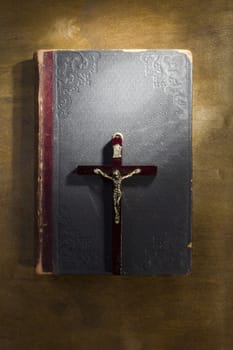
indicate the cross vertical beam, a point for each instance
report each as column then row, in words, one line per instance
column 117, row 143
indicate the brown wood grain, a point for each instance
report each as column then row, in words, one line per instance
column 126, row 313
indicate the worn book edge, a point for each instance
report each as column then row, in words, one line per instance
column 38, row 57
column 43, row 229
column 186, row 52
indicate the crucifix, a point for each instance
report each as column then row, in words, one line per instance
column 116, row 173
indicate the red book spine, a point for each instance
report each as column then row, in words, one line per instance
column 44, row 260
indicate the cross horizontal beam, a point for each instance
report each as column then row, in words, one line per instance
column 124, row 169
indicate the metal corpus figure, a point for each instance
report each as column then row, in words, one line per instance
column 117, row 179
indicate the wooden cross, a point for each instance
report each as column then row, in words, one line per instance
column 116, row 173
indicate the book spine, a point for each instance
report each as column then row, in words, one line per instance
column 44, row 106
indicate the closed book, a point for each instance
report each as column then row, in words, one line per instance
column 85, row 97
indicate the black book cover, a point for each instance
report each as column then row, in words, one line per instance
column 84, row 97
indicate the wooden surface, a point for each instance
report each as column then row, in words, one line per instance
column 159, row 313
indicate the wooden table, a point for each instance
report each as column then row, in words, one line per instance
column 126, row 313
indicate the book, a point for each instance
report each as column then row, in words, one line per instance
column 83, row 98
